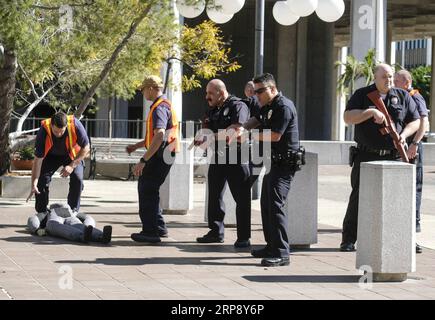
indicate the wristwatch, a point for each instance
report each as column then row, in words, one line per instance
column 142, row 160
column 414, row 143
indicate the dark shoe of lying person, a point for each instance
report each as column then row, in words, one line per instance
column 143, row 237
column 242, row 243
column 261, row 253
column 209, row 239
column 347, row 247
column 275, row 262
column 107, row 234
column 87, row 234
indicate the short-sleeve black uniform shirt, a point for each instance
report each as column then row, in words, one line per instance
column 280, row 116
column 400, row 106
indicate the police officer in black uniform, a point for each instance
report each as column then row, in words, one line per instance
column 255, row 163
column 371, row 144
column 229, row 164
column 279, row 124
column 403, row 80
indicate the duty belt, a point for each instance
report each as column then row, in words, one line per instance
column 379, row 152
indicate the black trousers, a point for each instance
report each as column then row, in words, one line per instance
column 50, row 164
column 274, row 192
column 419, row 185
column 350, row 222
column 237, row 176
column 148, row 187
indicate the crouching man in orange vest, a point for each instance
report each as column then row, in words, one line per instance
column 161, row 139
column 61, row 141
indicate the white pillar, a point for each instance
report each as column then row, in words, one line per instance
column 342, row 101
column 174, row 93
column 368, row 28
column 393, row 52
column 432, row 87
column 368, row 31
column 386, row 220
column 429, row 52
column 176, row 193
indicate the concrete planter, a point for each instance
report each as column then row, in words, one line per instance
column 18, row 164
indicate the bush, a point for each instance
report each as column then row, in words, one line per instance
column 26, row 153
column 421, row 80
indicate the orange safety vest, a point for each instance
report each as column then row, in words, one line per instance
column 173, row 136
column 413, row 92
column 71, row 141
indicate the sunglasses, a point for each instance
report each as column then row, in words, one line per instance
column 261, row 90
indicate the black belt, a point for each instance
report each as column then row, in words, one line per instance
column 379, row 152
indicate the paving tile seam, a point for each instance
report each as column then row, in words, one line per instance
column 116, row 280
column 25, row 271
column 6, row 293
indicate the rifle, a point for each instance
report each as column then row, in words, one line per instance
column 389, row 127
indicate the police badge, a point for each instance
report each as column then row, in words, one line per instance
column 226, row 111
column 269, row 115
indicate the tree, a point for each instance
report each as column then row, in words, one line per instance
column 106, row 52
column 355, row 70
column 9, row 45
column 421, row 80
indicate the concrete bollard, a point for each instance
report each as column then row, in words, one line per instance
column 386, row 220
column 176, row 193
column 302, row 204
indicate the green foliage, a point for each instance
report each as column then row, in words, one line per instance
column 204, row 50
column 421, row 80
column 26, row 153
column 74, row 58
column 354, row 70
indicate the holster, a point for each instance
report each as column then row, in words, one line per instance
column 293, row 158
column 353, row 151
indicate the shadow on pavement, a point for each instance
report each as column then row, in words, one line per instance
column 2, row 226
column 315, row 250
column 212, row 261
column 323, row 231
column 48, row 240
column 306, row 278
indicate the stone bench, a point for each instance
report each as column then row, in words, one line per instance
column 386, row 220
column 111, row 160
column 18, row 186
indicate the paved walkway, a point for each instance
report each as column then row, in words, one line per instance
column 179, row 268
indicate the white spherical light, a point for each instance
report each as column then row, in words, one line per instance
column 230, row 6
column 283, row 14
column 218, row 16
column 302, row 8
column 191, row 10
column 330, row 10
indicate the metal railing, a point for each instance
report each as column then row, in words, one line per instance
column 121, row 128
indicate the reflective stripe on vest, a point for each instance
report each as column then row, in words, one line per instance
column 413, row 92
column 71, row 141
column 173, row 135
